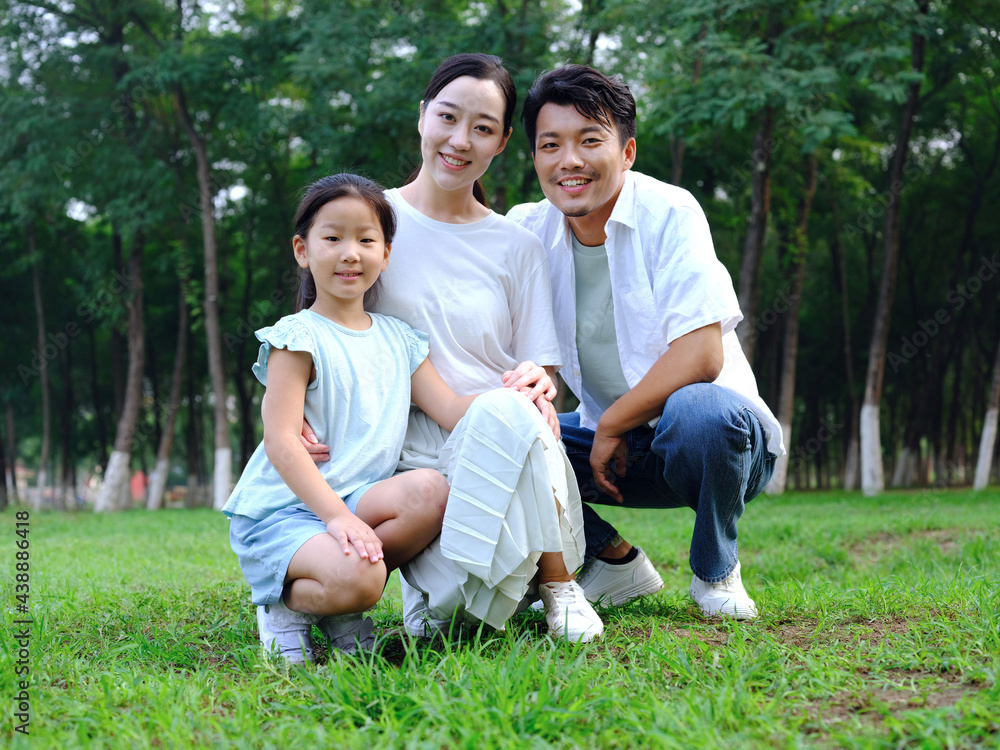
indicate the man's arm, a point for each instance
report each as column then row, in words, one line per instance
column 695, row 357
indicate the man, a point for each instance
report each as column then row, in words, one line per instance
column 669, row 412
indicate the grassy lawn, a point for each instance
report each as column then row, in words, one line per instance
column 879, row 627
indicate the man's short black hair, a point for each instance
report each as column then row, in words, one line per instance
column 594, row 95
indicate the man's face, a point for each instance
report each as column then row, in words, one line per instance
column 580, row 162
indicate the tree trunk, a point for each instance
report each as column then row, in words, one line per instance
column 5, row 489
column 797, row 248
column 116, row 479
column 872, row 477
column 753, row 248
column 11, row 478
column 988, row 438
column 158, row 481
column 67, row 489
column 117, row 381
column 223, row 453
column 95, row 394
column 678, row 144
column 852, row 458
column 43, row 367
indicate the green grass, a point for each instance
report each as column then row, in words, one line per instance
column 880, row 628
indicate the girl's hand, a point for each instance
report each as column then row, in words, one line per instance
column 530, row 379
column 349, row 530
column 317, row 451
column 549, row 414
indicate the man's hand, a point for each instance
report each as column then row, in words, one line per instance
column 317, row 451
column 349, row 530
column 609, row 451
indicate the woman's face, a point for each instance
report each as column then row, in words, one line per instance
column 461, row 130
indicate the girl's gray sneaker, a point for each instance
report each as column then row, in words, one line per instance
column 349, row 632
column 285, row 633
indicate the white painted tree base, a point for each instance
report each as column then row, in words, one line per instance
column 115, row 483
column 779, row 479
column 872, row 478
column 221, row 477
column 157, row 484
column 43, row 480
column 902, row 475
column 986, row 443
column 853, row 465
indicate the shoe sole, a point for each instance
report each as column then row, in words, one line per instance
column 628, row 594
column 737, row 615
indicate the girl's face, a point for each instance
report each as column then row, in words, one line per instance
column 461, row 130
column 345, row 250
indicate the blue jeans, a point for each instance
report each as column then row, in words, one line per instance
column 708, row 452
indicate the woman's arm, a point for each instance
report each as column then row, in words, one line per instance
column 435, row 397
column 288, row 375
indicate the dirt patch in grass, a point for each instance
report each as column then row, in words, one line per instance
column 894, row 692
column 949, row 542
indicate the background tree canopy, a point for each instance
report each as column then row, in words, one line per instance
column 151, row 155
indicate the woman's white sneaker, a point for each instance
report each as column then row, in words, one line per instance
column 568, row 612
column 285, row 633
column 726, row 598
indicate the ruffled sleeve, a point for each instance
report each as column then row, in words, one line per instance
column 288, row 333
column 416, row 346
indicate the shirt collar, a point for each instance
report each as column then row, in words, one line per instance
column 624, row 210
column 622, row 213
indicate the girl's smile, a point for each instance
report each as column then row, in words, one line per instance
column 346, row 251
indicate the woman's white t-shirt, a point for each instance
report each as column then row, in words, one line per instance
column 480, row 290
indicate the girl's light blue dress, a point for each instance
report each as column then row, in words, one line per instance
column 357, row 404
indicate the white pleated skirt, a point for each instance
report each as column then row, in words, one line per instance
column 513, row 496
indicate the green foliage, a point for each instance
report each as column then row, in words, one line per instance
column 283, row 93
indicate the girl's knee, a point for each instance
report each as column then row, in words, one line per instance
column 430, row 491
column 353, row 588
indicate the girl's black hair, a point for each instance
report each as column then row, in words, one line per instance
column 320, row 193
column 483, row 68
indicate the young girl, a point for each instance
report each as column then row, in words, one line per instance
column 316, row 543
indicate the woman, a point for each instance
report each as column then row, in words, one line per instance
column 478, row 284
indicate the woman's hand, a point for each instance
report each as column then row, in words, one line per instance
column 549, row 414
column 349, row 530
column 317, row 451
column 530, row 379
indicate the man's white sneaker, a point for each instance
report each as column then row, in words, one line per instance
column 568, row 612
column 349, row 632
column 614, row 585
column 726, row 598
column 285, row 633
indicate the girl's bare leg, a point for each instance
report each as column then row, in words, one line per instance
column 406, row 512
column 325, row 581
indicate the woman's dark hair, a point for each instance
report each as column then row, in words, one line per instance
column 318, row 195
column 596, row 96
column 482, row 68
